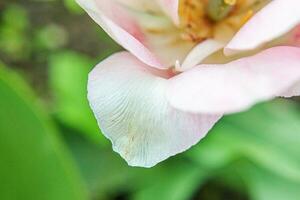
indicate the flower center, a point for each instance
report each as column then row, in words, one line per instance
column 218, row 19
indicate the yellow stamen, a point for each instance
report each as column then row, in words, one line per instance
column 195, row 24
column 230, row 2
column 204, row 19
column 247, row 16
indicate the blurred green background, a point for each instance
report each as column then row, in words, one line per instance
column 52, row 149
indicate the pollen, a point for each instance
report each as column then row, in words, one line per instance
column 195, row 23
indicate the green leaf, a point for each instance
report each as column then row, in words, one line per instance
column 14, row 41
column 268, row 135
column 73, row 7
column 16, row 16
column 68, row 80
column 34, row 163
column 50, row 37
column 177, row 180
column 263, row 185
column 105, row 173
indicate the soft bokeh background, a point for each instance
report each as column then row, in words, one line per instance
column 51, row 148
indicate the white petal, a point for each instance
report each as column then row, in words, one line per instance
column 131, row 108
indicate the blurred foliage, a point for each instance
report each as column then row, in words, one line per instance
column 68, row 73
column 51, row 147
column 13, row 32
column 73, row 7
column 34, row 162
column 50, row 37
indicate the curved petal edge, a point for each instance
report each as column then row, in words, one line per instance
column 274, row 20
column 132, row 111
column 238, row 85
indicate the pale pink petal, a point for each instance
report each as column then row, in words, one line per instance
column 163, row 38
column 171, row 8
column 274, row 20
column 238, row 85
column 292, row 38
column 141, row 5
column 131, row 108
column 114, row 19
column 199, row 53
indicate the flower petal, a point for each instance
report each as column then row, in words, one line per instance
column 199, row 53
column 141, row 5
column 292, row 38
column 129, row 103
column 292, row 91
column 171, row 9
column 274, row 20
column 121, row 27
column 163, row 38
column 238, row 85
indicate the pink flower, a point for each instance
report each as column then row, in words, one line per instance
column 164, row 96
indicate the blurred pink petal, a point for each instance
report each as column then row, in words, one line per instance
column 171, row 8
column 141, row 5
column 129, row 101
column 293, row 38
column 274, row 20
column 121, row 27
column 238, row 85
